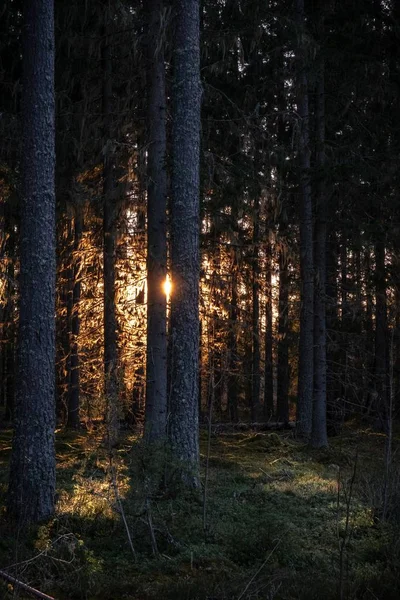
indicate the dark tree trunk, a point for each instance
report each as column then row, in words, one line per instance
column 32, row 472
column 332, row 319
column 232, row 348
column 283, row 343
column 74, row 387
column 269, row 366
column 256, row 357
column 185, row 227
column 306, row 346
column 319, row 436
column 109, row 249
column 344, row 322
column 381, row 336
column 156, row 370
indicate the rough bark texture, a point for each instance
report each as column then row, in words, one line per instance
column 109, row 250
column 74, row 388
column 306, row 349
column 32, row 472
column 319, row 436
column 156, row 371
column 185, row 224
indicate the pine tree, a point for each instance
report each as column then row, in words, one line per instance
column 185, row 230
column 32, row 472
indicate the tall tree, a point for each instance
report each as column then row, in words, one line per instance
column 256, row 353
column 32, row 473
column 319, row 436
column 306, row 346
column 156, row 369
column 109, row 239
column 74, row 368
column 185, row 227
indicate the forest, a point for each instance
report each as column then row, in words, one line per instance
column 200, row 299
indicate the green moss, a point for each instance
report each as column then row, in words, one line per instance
column 267, row 497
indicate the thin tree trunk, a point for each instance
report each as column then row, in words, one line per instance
column 156, row 369
column 306, row 345
column 32, row 472
column 283, row 343
column 74, row 378
column 269, row 366
column 185, row 229
column 319, row 435
column 233, row 350
column 109, row 248
column 256, row 355
column 381, row 350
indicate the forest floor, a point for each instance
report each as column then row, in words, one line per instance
column 282, row 522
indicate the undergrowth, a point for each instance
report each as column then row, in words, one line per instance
column 283, row 522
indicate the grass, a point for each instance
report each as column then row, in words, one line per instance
column 275, row 526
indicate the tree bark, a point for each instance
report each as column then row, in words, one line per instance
column 283, row 343
column 319, row 436
column 256, row 354
column 109, row 247
column 269, row 366
column 185, row 227
column 306, row 345
column 32, row 472
column 232, row 347
column 381, row 336
column 156, row 369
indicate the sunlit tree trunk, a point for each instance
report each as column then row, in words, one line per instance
column 319, row 436
column 74, row 378
column 109, row 245
column 156, row 369
column 185, row 228
column 32, row 471
column 306, row 346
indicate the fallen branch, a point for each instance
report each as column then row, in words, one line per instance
column 24, row 586
column 259, row 570
column 218, row 428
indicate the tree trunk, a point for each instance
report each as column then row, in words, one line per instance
column 185, row 227
column 232, row 347
column 32, row 473
column 255, row 367
column 74, row 388
column 156, row 369
column 269, row 366
column 283, row 343
column 381, row 350
column 306, row 346
column 109, row 249
column 319, row 436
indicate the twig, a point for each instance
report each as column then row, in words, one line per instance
column 154, row 546
column 25, row 587
column 259, row 570
column 121, row 508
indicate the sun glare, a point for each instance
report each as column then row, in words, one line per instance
column 167, row 286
